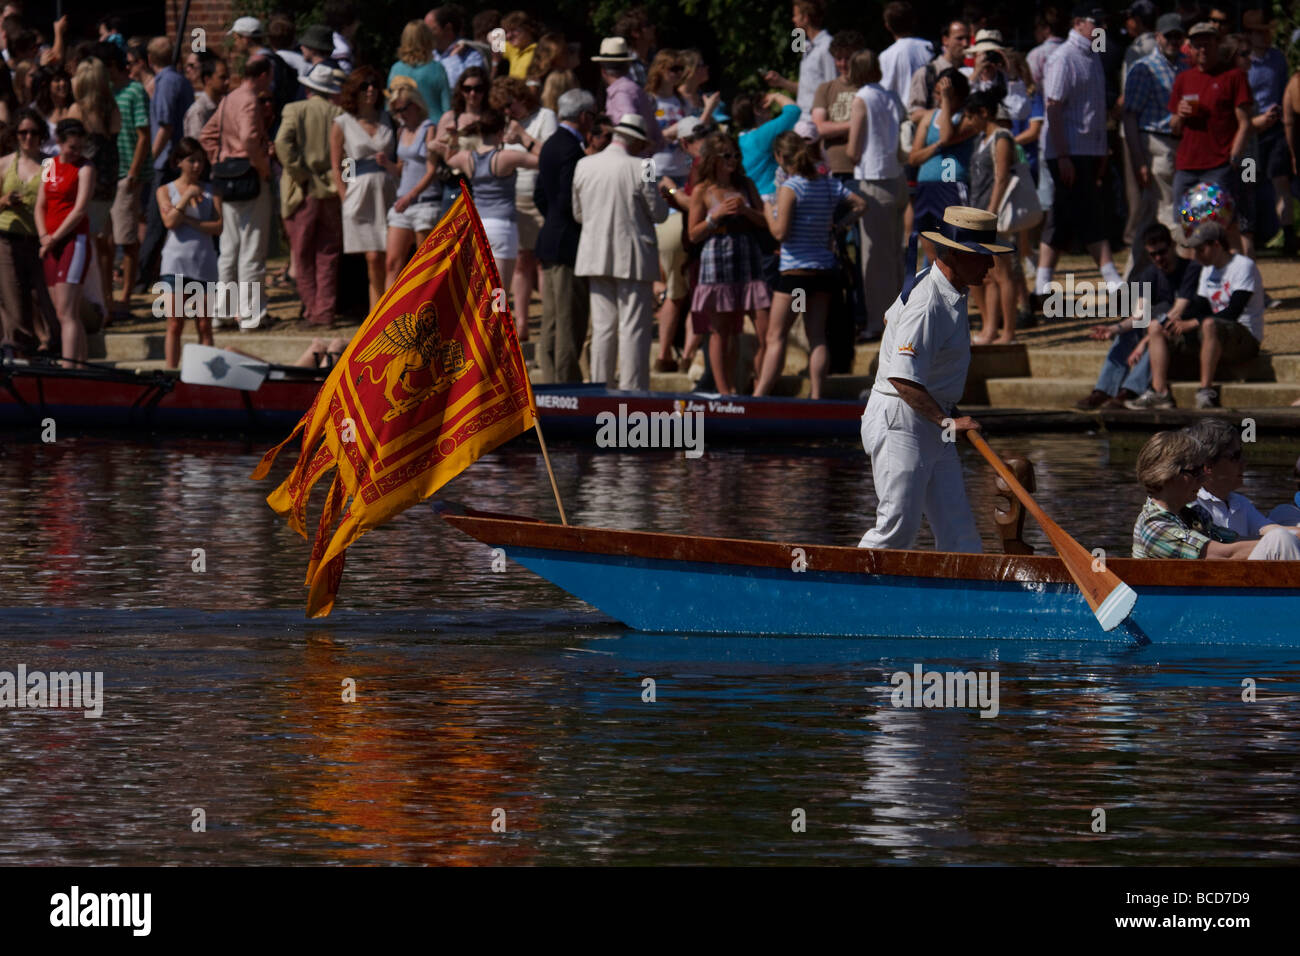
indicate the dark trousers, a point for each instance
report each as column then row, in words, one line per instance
column 155, row 233
column 21, row 277
column 565, row 313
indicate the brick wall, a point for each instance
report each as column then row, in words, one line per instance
column 215, row 16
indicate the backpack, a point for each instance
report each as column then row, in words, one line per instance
column 284, row 83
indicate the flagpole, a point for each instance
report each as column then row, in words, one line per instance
column 537, row 423
column 510, row 326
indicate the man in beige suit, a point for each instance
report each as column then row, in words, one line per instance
column 308, row 201
column 616, row 199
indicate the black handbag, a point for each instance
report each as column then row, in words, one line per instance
column 234, row 180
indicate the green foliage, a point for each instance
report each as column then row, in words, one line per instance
column 1287, row 15
column 737, row 37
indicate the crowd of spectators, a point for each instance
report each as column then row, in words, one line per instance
column 648, row 201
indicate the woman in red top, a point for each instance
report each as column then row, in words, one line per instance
column 67, row 184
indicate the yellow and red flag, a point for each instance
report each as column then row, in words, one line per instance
column 433, row 380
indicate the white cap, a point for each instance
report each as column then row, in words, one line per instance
column 247, row 26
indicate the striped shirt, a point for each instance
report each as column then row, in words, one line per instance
column 808, row 243
column 1074, row 78
column 1038, row 56
column 133, row 104
column 1146, row 92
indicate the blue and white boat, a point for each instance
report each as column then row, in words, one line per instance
column 684, row 584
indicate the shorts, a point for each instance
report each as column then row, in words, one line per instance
column 1274, row 157
column 503, row 238
column 97, row 213
column 67, row 261
column 812, row 283
column 418, row 217
column 1238, row 344
column 125, row 213
column 1076, row 211
column 528, row 220
column 672, row 257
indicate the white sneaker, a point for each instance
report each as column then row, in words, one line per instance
column 1150, row 399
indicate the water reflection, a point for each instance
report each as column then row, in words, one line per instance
column 479, row 691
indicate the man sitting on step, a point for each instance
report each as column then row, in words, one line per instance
column 1126, row 372
column 1225, row 320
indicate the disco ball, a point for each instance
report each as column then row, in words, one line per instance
column 1206, row 202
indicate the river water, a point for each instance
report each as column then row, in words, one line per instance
column 486, row 698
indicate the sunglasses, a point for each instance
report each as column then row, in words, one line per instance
column 1158, row 253
column 29, row 132
column 677, row 69
column 472, row 89
column 1190, row 472
column 727, row 156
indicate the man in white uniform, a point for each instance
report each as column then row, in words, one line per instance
column 909, row 427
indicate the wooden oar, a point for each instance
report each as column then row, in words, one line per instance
column 1110, row 598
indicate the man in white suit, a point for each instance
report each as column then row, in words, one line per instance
column 616, row 199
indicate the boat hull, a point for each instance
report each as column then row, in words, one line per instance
column 112, row 398
column 688, row 585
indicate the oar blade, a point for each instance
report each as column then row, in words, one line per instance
column 206, row 365
column 1117, row 606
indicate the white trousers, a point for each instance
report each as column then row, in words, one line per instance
column 916, row 473
column 622, row 311
column 245, row 232
column 1277, row 545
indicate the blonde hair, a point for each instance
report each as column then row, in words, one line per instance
column 664, row 61
column 416, row 47
column 1165, row 455
column 94, row 95
column 558, row 82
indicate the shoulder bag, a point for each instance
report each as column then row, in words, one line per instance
column 234, row 180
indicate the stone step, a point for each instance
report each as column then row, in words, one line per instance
column 1086, row 362
column 986, row 361
column 1064, row 392
column 137, row 348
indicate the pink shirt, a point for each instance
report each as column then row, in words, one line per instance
column 235, row 129
column 624, row 96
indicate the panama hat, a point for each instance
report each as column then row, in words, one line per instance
column 970, row 230
column 986, row 41
column 323, row 79
column 614, row 50
column 632, row 124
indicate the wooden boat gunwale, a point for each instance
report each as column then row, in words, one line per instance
column 508, row 531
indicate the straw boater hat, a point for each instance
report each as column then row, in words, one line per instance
column 970, row 230
column 614, row 50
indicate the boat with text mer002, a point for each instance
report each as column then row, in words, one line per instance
column 684, row 584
